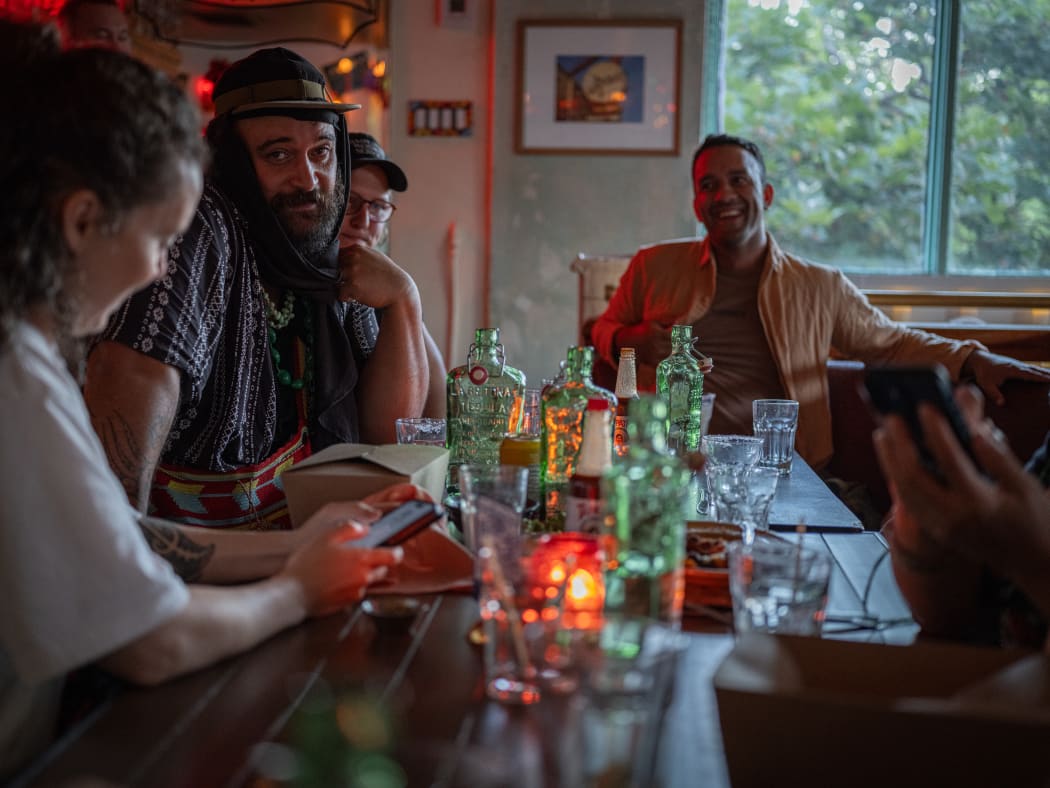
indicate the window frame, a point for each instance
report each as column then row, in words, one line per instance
column 941, row 138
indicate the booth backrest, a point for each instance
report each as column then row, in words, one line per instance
column 1024, row 418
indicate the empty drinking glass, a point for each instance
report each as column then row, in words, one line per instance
column 427, row 432
column 778, row 586
column 775, row 421
column 730, row 459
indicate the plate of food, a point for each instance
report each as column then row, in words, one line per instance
column 707, row 564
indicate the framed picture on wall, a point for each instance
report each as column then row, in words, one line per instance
column 598, row 87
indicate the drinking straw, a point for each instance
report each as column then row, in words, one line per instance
column 505, row 598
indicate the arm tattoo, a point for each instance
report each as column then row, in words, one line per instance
column 187, row 557
column 132, row 462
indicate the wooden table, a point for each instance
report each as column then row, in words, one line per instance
column 214, row 728
column 803, row 497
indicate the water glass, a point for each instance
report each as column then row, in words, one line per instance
column 511, row 675
column 707, row 410
column 775, row 421
column 627, row 683
column 761, row 488
column 742, row 496
column 540, row 599
column 492, row 499
column 778, row 587
column 426, row 432
column 730, row 459
column 740, row 450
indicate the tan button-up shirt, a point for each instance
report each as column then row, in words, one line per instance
column 807, row 310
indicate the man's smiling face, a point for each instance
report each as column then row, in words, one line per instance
column 729, row 196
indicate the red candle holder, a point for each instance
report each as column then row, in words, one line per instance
column 565, row 579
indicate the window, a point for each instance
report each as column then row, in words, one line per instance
column 901, row 137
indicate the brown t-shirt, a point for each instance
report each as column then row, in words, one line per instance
column 731, row 334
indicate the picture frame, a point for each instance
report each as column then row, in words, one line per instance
column 598, row 87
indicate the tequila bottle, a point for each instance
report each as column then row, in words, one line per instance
column 562, row 412
column 646, row 492
column 485, row 398
column 680, row 383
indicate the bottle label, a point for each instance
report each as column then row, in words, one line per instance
column 584, row 515
column 620, row 435
column 478, row 375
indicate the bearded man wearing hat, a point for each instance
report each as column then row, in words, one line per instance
column 261, row 343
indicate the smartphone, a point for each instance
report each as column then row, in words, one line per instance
column 400, row 524
column 900, row 389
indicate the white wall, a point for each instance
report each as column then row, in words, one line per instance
column 543, row 209
column 446, row 175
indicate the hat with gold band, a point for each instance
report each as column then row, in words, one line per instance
column 273, row 81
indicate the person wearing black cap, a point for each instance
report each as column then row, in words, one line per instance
column 261, row 345
column 367, row 223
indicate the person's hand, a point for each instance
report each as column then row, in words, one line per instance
column 994, row 519
column 370, row 277
column 990, row 371
column 335, row 515
column 362, row 513
column 331, row 573
column 395, row 494
column 651, row 341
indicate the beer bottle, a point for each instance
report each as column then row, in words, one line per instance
column 626, row 390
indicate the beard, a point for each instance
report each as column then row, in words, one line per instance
column 310, row 235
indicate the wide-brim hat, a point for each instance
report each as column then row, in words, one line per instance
column 365, row 149
column 273, row 81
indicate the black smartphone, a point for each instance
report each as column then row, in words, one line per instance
column 900, row 389
column 400, row 524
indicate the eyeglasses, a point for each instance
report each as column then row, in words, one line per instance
column 378, row 210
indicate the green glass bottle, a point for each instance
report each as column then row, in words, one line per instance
column 485, row 402
column 680, row 383
column 562, row 409
column 646, row 492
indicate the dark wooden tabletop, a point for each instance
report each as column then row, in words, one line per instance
column 233, row 724
column 803, row 497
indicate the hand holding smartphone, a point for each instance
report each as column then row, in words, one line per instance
column 900, row 389
column 400, row 524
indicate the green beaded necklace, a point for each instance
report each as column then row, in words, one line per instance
column 276, row 320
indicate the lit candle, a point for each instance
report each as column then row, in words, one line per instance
column 566, row 579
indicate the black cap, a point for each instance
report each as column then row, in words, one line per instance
column 273, row 81
column 365, row 149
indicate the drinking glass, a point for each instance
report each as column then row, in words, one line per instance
column 492, row 501
column 540, row 598
column 761, row 488
column 427, row 432
column 730, row 459
column 615, row 725
column 778, row 587
column 775, row 421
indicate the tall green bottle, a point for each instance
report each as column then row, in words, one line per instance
column 562, row 409
column 646, row 492
column 680, row 383
column 485, row 402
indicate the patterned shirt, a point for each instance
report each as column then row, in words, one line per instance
column 207, row 319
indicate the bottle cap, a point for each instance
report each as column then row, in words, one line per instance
column 597, row 403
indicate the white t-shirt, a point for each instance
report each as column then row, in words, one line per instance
column 77, row 578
